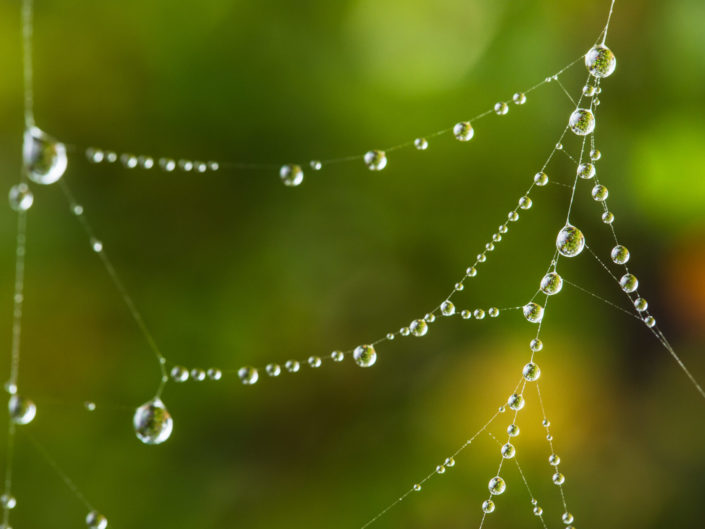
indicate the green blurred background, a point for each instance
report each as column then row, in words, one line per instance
column 232, row 268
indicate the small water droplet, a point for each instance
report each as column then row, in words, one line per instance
column 554, row 460
column 493, row 312
column 447, row 308
column 607, row 217
column 128, row 161
column 525, row 202
column 536, row 345
column 248, row 375
column 421, row 144
column 488, row 506
column 95, row 520
column 508, row 451
column 650, row 321
column 152, row 422
column 567, row 518
column 600, row 193
column 8, row 501
column 440, row 469
column 417, row 487
column 501, row 108
column 316, row 165
column 44, row 158
column 179, row 374
column 338, row 356
column 541, row 179
column 291, row 174
column 463, row 131
column 538, row 511
column 558, row 478
column 497, row 486
column 214, row 374
column 479, row 314
column 185, row 165
column 595, row 155
column 273, row 370
column 640, row 304
column 20, row 197
column 519, row 98
column 89, row 405
column 96, row 245
column 466, row 314
column 314, row 361
column 145, row 162
column 516, row 402
column 586, row 171
column 197, row 374
column 22, row 410
column 629, row 283
column 167, row 164
column 449, row 462
column 375, row 160
column 512, row 430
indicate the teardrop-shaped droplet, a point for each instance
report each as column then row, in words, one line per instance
column 22, row 410
column 44, row 158
column 570, row 241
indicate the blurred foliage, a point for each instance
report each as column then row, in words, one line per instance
column 232, row 268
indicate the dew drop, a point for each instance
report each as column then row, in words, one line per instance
column 365, row 355
column 447, row 308
column 167, row 164
column 199, row 375
column 525, row 202
column 390, row 336
column 466, row 314
column 421, row 144
column 570, row 241
column 513, row 216
column 44, row 159
column 179, row 374
column 558, row 478
column 479, row 314
column 600, row 193
column 273, row 370
column 607, row 217
column 213, row 165
column 493, row 312
column 440, row 469
column 95, row 520
column 314, row 361
column 8, row 501
column 649, row 321
column 501, row 108
column 551, row 283
column 152, row 422
column 96, row 245
column 463, row 131
column 418, row 328
column 531, row 372
column 629, row 283
column 77, row 210
column 595, row 155
column 147, row 162
column 512, row 430
column 546, row 423
column 185, row 165
column 619, row 254
column 536, row 345
column 567, row 518
column 129, row 161
column 459, row 287
column 201, row 167
column 538, row 511
column 95, row 155
column 600, row 61
column 375, row 160
column 89, row 405
column 496, row 486
column 449, row 462
column 214, row 373
column 316, row 165
column 111, row 157
column 541, row 179
column 582, row 121
column 430, row 317
column 471, row 271
column 404, row 331
column 586, row 171
column 516, row 402
column 20, row 197
column 22, row 410
column 488, row 506
column 508, row 451
column 291, row 174
column 338, row 356
column 248, row 375
column 588, row 90
column 519, row 98
column 554, row 460
column 533, row 312
column 417, row 487
column 640, row 304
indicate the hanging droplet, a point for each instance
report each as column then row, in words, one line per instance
column 430, row 317
column 640, row 304
column 567, row 518
column 554, row 460
column 316, row 165
column 213, row 166
column 152, row 422
column 421, row 144
column 201, row 167
column 44, row 159
column 551, row 283
column 375, row 160
column 95, row 520
column 447, row 308
column 214, row 374
column 147, row 162
column 582, row 121
column 629, row 283
column 20, row 197
column 512, row 430
column 338, row 356
column 497, row 485
column 586, row 171
column 536, row 345
column 525, row 202
column 418, row 328
column 546, row 423
column 96, row 245
column 463, row 131
column 128, row 160
column 459, row 286
column 508, row 451
column 541, row 179
column 314, row 361
column 570, row 241
column 607, row 217
column 404, row 331
column 365, row 355
column 619, row 254
column 248, row 375
column 516, row 402
column 501, row 108
column 22, row 410
column 291, row 174
column 558, row 478
column 600, row 61
column 531, row 372
column 273, row 370
column 519, row 98
column 600, row 193
column 487, row 506
column 533, row 312
column 179, row 374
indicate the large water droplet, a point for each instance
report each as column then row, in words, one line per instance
column 508, row 451
column 551, row 283
column 629, row 283
column 20, row 197
column 291, row 174
column 619, row 254
column 497, row 485
column 582, row 121
column 376, row 160
column 365, row 355
column 463, row 131
column 516, row 402
column 531, row 372
column 600, row 61
column 418, row 327
column 533, row 312
column 586, row 171
column 152, row 422
column 570, row 241
column 44, row 159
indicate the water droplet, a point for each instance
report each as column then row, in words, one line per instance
column 534, row 501
column 179, row 374
column 128, row 160
column 390, row 336
column 96, row 245
column 546, row 423
column 600, row 193
column 449, row 462
column 44, row 158
column 273, row 370
column 567, row 518
column 248, row 375
column 213, row 166
column 489, row 247
column 94, row 155
column 417, row 487
column 538, row 511
column 559, row 146
column 513, row 216
column 421, row 144
column 214, row 373
column 600, row 61
column 22, row 410
column 497, row 485
column 447, row 308
column 20, row 197
column 314, row 361
column 586, row 171
column 291, row 174
column 8, row 501
column 501, row 409
column 501, row 108
column 430, row 317
column 533, row 312
column 418, row 328
column 200, row 167
column 466, row 314
column 508, row 451
column 525, row 202
column 607, row 217
column 89, row 405
column 496, row 237
column 629, row 283
column 365, row 355
column 551, row 283
column 516, row 402
column 595, row 155
column 152, row 422
column 619, row 254
column 493, row 312
column 404, row 331
column 479, row 314
column 582, row 121
column 554, row 460
column 77, row 210
column 10, row 388
column 488, row 506
column 536, row 345
column 316, row 165
column 640, row 304
column 481, row 258
column 519, row 98
column 531, row 372
column 549, row 437
column 588, row 90
column 471, row 271
column 503, row 228
column 199, row 375
column 376, row 160
column 338, row 356
column 111, row 157
column 185, row 165
column 512, row 430
column 167, row 164
column 440, row 469
column 570, row 241
column 541, row 179
column 463, row 131
column 558, row 478
column 459, row 287
column 147, row 162
column 95, row 520
column 649, row 321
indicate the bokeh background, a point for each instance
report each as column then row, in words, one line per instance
column 233, row 268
